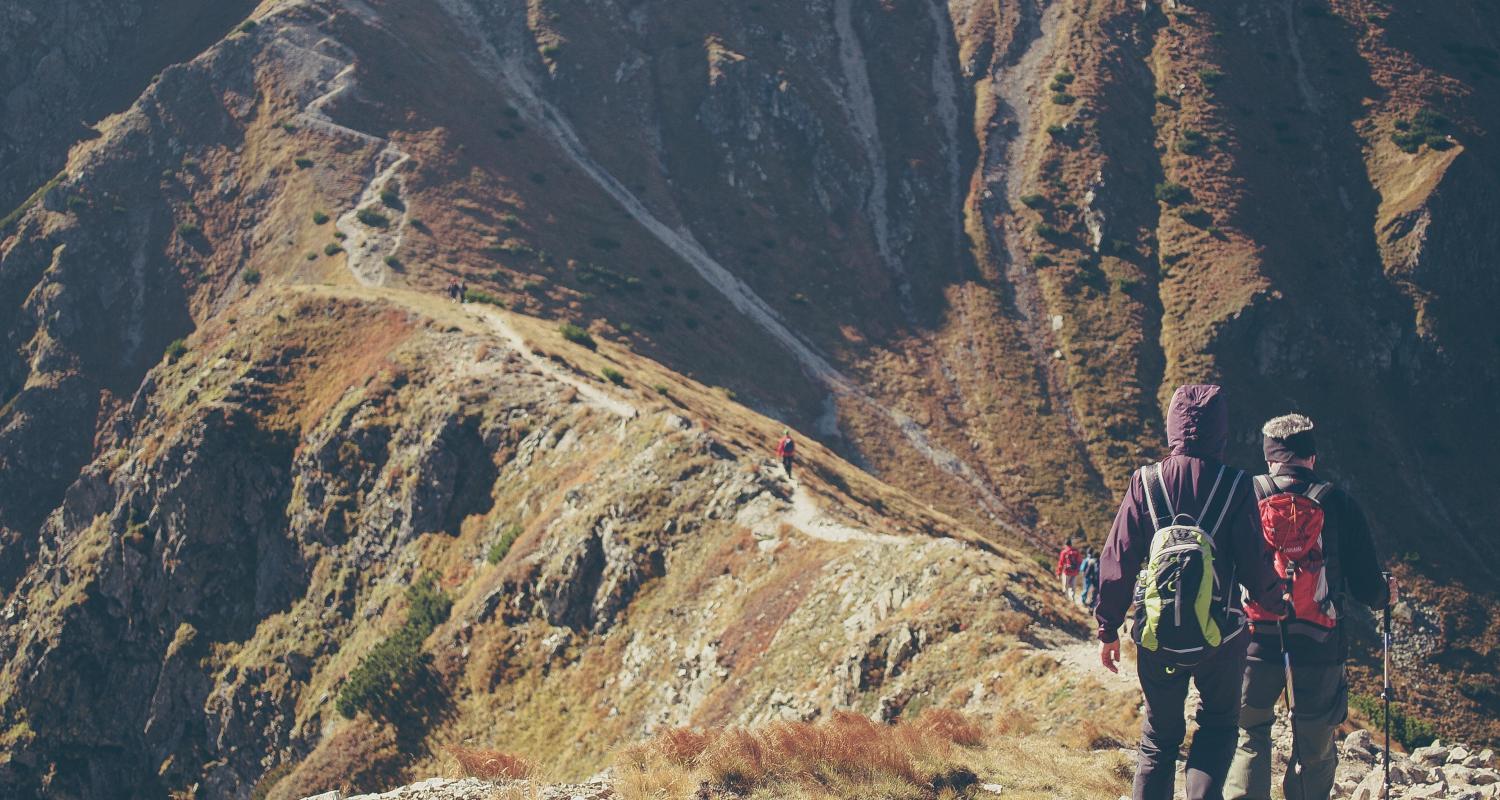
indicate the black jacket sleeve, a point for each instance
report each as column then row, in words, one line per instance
column 1253, row 564
column 1358, row 560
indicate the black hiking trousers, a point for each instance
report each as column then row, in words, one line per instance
column 786, row 464
column 1218, row 678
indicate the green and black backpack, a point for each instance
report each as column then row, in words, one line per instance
column 1181, row 610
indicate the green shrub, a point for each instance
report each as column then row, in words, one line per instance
column 247, row 26
column 613, row 376
column 303, row 162
column 1191, row 141
column 76, row 203
column 1210, row 76
column 176, row 349
column 1123, row 284
column 1063, row 98
column 188, row 229
column 340, row 235
column 1040, row 260
column 393, row 262
column 378, row 684
column 1172, row 193
column 501, row 547
column 1034, row 200
column 1063, row 77
column 1056, row 131
column 1164, row 98
column 319, row 218
column 252, row 276
column 477, row 296
column 1425, row 127
column 1409, row 731
column 332, row 249
column 312, row 255
column 1046, row 230
column 551, row 50
column 577, row 335
column 661, row 389
column 510, row 221
column 390, row 198
column 1196, row 216
column 371, row 217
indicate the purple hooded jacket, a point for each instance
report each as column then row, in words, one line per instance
column 1197, row 431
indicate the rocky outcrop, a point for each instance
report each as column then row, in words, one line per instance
column 68, row 64
column 1437, row 770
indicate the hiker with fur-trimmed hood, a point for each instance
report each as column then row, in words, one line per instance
column 1188, row 527
column 1318, row 536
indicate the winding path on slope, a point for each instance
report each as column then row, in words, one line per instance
column 366, row 246
column 510, row 73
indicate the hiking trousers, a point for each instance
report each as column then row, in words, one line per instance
column 1322, row 705
column 1218, row 678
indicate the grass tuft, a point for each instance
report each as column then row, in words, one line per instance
column 491, row 765
column 371, row 217
column 501, row 547
column 176, row 349
column 1172, row 193
column 577, row 335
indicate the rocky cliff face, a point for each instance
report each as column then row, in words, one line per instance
column 969, row 247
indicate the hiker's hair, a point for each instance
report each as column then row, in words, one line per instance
column 1286, row 425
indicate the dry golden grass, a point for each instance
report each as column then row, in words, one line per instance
column 491, row 765
column 941, row 754
column 847, row 755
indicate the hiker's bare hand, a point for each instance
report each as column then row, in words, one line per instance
column 1109, row 655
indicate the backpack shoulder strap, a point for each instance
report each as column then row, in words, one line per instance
column 1265, row 486
column 1156, row 496
column 1224, row 507
column 1317, row 492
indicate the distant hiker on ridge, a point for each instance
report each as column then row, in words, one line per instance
column 1188, row 525
column 1319, row 540
column 453, row 290
column 1088, row 572
column 1068, row 561
column 785, row 449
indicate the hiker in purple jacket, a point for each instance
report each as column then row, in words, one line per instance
column 1190, row 478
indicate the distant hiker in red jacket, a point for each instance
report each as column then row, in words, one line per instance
column 785, row 449
column 1068, row 562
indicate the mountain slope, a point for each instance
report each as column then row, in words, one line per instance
column 970, row 248
column 277, row 488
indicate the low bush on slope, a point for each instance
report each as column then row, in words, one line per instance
column 381, row 682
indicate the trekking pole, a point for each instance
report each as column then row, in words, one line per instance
column 1291, row 692
column 1385, row 689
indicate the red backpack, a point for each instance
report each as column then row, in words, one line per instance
column 1292, row 524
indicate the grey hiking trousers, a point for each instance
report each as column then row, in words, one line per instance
column 1322, row 704
column 1165, row 688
